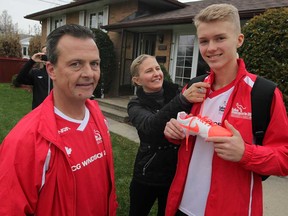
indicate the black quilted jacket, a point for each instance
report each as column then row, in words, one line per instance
column 38, row 78
column 156, row 159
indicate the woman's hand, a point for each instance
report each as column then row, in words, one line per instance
column 196, row 93
column 37, row 57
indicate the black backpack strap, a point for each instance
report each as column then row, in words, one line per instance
column 261, row 100
column 197, row 79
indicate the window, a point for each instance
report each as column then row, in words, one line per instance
column 95, row 19
column 184, row 59
column 100, row 18
column 57, row 22
column 25, row 52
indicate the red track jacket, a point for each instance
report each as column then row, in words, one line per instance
column 32, row 141
column 236, row 188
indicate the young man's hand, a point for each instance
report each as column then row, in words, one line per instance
column 173, row 130
column 229, row 148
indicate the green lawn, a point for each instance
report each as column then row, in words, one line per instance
column 15, row 103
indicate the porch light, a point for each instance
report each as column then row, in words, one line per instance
column 160, row 37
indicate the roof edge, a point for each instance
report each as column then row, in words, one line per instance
column 59, row 8
column 181, row 20
column 177, row 3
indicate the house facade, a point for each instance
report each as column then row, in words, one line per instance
column 25, row 46
column 162, row 28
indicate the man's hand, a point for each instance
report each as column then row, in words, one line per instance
column 229, row 148
column 173, row 130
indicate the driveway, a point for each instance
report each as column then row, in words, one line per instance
column 275, row 196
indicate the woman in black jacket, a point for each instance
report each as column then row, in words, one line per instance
column 156, row 103
column 36, row 77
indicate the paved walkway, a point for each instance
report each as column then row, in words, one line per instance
column 275, row 188
column 123, row 129
column 276, row 196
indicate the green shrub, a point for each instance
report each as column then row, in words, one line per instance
column 108, row 62
column 265, row 49
column 167, row 76
column 14, row 82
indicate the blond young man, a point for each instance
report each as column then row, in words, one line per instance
column 222, row 175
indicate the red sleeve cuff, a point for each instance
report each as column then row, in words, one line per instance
column 249, row 149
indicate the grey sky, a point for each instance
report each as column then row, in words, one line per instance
column 17, row 9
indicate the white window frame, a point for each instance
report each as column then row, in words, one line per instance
column 62, row 20
column 174, row 51
column 82, row 18
column 103, row 10
column 25, row 51
column 48, row 20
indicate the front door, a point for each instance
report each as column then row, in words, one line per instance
column 127, row 56
column 133, row 45
column 148, row 44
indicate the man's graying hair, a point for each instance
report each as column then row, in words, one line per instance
column 73, row 30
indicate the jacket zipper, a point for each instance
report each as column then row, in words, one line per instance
column 148, row 163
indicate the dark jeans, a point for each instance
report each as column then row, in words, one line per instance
column 142, row 198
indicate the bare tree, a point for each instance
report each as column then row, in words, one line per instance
column 9, row 38
column 6, row 24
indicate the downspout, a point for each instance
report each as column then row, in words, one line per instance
column 121, row 57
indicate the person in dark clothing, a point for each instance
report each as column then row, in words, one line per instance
column 36, row 77
column 155, row 164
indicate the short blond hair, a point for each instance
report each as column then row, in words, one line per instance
column 134, row 68
column 219, row 12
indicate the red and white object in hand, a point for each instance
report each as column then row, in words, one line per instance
column 201, row 125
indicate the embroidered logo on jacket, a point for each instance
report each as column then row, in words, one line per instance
column 98, row 137
column 63, row 130
column 89, row 161
column 239, row 112
column 68, row 150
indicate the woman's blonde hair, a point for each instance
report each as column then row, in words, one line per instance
column 134, row 68
column 219, row 12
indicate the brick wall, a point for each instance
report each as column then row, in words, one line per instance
column 163, row 49
column 118, row 12
column 44, row 31
column 72, row 18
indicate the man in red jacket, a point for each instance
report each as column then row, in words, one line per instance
column 58, row 159
column 222, row 175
